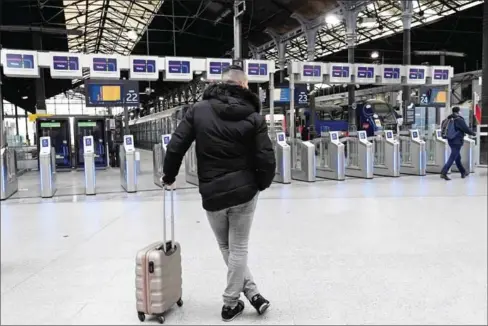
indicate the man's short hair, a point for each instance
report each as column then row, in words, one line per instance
column 234, row 74
column 455, row 109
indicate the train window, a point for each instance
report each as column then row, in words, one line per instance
column 382, row 109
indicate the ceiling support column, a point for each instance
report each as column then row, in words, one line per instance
column 311, row 29
column 407, row 14
column 39, row 82
column 350, row 17
column 239, row 9
column 281, row 47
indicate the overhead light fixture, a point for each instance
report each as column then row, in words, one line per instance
column 332, row 19
column 132, row 35
column 375, row 55
column 25, row 97
column 198, row 72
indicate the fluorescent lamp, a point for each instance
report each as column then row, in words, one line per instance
column 332, row 19
column 375, row 55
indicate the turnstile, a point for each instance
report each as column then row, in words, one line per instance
column 47, row 167
column 9, row 184
column 330, row 163
column 191, row 166
column 386, row 151
column 413, row 154
column 359, row 161
column 128, row 173
column 303, row 158
column 159, row 153
column 437, row 152
column 283, row 159
column 89, row 165
column 467, row 159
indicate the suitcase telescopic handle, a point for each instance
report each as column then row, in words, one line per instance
column 172, row 216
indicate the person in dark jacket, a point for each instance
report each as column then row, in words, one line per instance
column 235, row 160
column 456, row 144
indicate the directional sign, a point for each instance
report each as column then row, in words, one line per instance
column 258, row 70
column 65, row 65
column 104, row 66
column 441, row 75
column 365, row 74
column 20, row 63
column 416, row 75
column 339, row 73
column 144, row 68
column 391, row 74
column 311, row 72
column 215, row 68
column 178, row 69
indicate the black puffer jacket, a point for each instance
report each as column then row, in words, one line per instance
column 234, row 153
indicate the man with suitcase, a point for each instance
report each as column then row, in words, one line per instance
column 235, row 160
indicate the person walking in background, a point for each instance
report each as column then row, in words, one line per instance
column 235, row 160
column 454, row 129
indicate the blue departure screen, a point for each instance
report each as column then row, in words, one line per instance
column 415, row 134
column 45, row 143
column 334, row 136
column 281, row 137
column 128, row 141
column 361, row 135
column 166, row 140
column 389, row 134
column 88, row 142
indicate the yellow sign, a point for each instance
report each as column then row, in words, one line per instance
column 33, row 117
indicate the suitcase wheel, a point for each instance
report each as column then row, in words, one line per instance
column 161, row 319
column 179, row 302
column 141, row 316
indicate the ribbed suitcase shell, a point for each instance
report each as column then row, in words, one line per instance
column 158, row 291
column 158, row 274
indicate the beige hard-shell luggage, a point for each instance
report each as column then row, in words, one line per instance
column 158, row 273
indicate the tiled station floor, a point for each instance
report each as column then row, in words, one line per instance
column 410, row 250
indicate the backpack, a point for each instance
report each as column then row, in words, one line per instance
column 449, row 130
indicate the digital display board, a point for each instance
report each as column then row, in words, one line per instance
column 87, row 124
column 415, row 134
column 128, row 141
column 362, row 135
column 45, row 143
column 389, row 134
column 50, row 124
column 334, row 136
column 166, row 140
column 111, row 93
column 281, row 137
column 282, row 95
column 88, row 142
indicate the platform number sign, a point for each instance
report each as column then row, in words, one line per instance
column 132, row 98
column 424, row 99
column 302, row 98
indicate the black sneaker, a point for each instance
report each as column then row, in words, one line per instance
column 229, row 314
column 260, row 304
column 445, row 177
column 464, row 175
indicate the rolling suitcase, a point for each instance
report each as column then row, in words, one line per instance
column 158, row 273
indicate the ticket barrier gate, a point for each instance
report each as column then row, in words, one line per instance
column 283, row 159
column 191, row 167
column 9, row 184
column 47, row 167
column 89, row 165
column 303, row 161
column 159, row 153
column 437, row 152
column 128, row 173
column 386, row 151
column 412, row 153
column 331, row 161
column 359, row 161
column 467, row 155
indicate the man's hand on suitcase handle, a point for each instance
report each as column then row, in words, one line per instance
column 166, row 184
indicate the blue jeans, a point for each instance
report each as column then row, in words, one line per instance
column 454, row 157
column 231, row 227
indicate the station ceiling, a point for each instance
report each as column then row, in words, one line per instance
column 203, row 28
